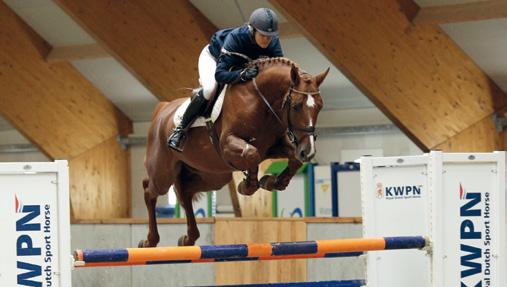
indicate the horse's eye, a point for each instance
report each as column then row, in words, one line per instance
column 298, row 107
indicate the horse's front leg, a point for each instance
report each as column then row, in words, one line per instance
column 284, row 149
column 280, row 182
column 244, row 156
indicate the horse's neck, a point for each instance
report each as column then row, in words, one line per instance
column 274, row 83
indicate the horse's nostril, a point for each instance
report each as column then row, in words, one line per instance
column 302, row 154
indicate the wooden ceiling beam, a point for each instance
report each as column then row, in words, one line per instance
column 415, row 74
column 475, row 11
column 95, row 51
column 159, row 42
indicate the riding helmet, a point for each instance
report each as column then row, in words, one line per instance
column 265, row 21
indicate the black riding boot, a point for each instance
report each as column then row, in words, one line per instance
column 197, row 105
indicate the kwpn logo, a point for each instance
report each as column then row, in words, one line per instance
column 405, row 190
column 461, row 192
column 379, row 191
column 18, row 205
column 398, row 191
column 470, row 238
column 27, row 228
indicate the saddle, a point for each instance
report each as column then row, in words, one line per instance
column 208, row 117
column 211, row 112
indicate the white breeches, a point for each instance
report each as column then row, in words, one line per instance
column 207, row 66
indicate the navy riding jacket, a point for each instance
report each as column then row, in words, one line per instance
column 236, row 46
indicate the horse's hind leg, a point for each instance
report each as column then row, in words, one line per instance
column 185, row 197
column 150, row 199
column 187, row 186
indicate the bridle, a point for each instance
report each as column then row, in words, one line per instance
column 309, row 131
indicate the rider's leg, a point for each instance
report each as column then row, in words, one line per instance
column 207, row 67
column 197, row 105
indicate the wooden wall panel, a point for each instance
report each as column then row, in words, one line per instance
column 256, row 205
column 415, row 74
column 480, row 137
column 100, row 182
column 259, row 231
column 66, row 117
column 260, row 203
column 158, row 41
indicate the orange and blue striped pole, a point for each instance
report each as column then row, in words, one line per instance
column 243, row 252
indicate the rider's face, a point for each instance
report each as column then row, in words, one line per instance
column 262, row 41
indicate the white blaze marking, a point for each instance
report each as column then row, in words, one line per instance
column 312, row 139
column 310, row 101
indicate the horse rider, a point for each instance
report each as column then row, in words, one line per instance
column 229, row 49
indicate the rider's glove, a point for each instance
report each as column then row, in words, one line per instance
column 248, row 73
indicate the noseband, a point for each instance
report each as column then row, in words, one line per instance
column 310, row 131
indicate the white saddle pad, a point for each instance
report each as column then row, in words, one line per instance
column 201, row 121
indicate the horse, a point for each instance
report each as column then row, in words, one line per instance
column 272, row 116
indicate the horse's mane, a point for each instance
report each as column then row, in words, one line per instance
column 264, row 63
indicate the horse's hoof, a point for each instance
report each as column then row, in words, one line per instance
column 268, row 182
column 182, row 240
column 141, row 244
column 246, row 190
column 280, row 185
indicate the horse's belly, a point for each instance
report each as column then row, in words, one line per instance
column 200, row 154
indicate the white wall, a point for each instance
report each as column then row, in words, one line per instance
column 23, row 157
column 138, row 173
column 13, row 137
column 392, row 144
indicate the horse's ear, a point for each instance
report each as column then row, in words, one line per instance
column 320, row 77
column 294, row 75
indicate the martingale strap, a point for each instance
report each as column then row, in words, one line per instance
column 266, row 102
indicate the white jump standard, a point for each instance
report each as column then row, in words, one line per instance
column 453, row 203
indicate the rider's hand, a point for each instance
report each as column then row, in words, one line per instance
column 248, row 73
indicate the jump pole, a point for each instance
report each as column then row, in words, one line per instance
column 243, row 252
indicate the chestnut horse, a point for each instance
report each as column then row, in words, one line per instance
column 272, row 116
